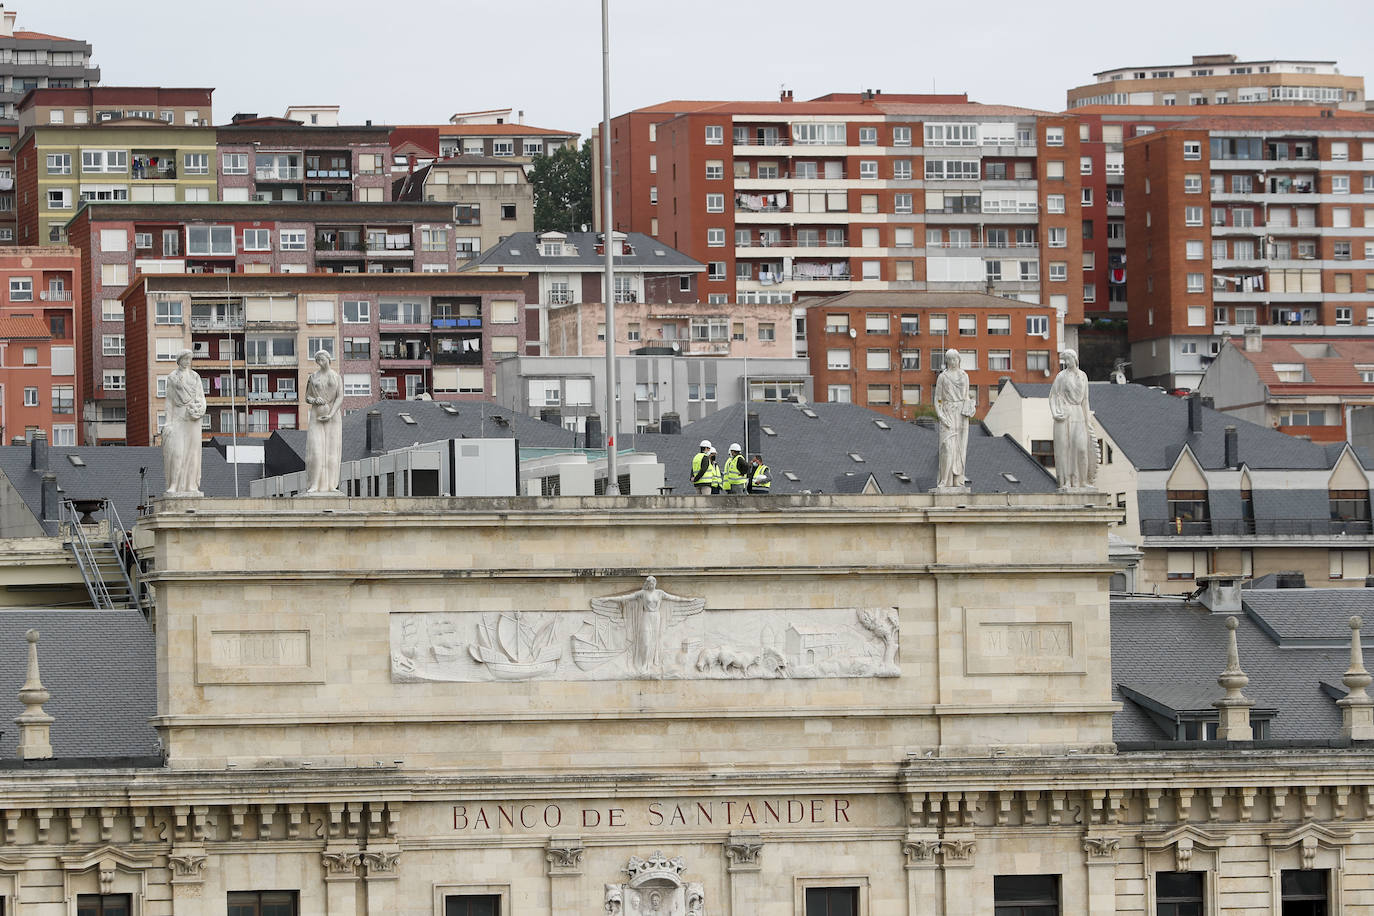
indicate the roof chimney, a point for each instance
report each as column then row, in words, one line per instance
column 1357, row 709
column 374, row 432
column 35, row 725
column 7, row 30
column 38, row 451
column 753, row 430
column 1194, row 413
column 48, row 500
column 1232, row 447
column 1220, row 594
column 1234, row 708
column 1254, row 339
column 593, row 428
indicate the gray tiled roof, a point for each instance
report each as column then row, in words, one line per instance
column 1151, row 427
column 1173, row 650
column 109, row 471
column 1323, row 614
column 644, row 253
column 818, row 451
column 99, row 667
column 473, row 420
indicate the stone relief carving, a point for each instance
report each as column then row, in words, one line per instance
column 655, row 888
column 381, row 862
column 743, row 850
column 647, row 633
column 565, row 856
column 920, row 850
column 1101, row 847
column 341, row 863
column 961, row 850
column 190, row 865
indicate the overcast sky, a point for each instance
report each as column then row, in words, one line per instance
column 418, row 61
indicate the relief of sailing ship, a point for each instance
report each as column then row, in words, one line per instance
column 515, row 649
column 596, row 643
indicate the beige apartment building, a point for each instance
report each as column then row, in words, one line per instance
column 1224, row 79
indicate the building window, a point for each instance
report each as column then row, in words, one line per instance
column 59, row 163
column 1304, row 892
column 508, row 211
column 1059, row 270
column 21, row 289
column 837, row 359
column 715, row 270
column 715, row 135
column 503, row 147
column 715, row 238
column 1025, row 895
column 878, row 360
column 832, row 901
column 1054, row 136
column 112, row 345
column 105, row 904
column 1179, row 893
column 901, row 203
column 1350, row 507
column 766, row 331
column 1192, row 149
column 868, row 136
column 30, row 397
column 1054, row 203
column 262, row 903
column 357, row 384
column 715, row 203
column 1058, row 237
column 1192, row 216
column 868, row 168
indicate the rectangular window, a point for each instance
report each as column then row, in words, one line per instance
column 1054, row 136
column 21, row 289
column 1304, row 892
column 59, row 163
column 1054, row 203
column 1192, row 149
column 196, row 163
column 291, row 239
column 968, row 325
column 901, row 136
column 715, row 135
column 901, row 203
column 1058, row 237
column 715, row 238
column 209, row 240
column 1025, row 895
column 868, row 168
column 832, row 901
column 868, row 136
column 901, row 169
column 357, row 384
column 262, row 903
column 715, row 203
column 878, row 360
column 1192, row 216
column 102, row 905
column 1059, row 270
column 715, row 169
column 715, row 270
column 837, row 359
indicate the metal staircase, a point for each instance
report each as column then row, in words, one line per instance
column 98, row 555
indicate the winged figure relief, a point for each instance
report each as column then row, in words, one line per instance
column 646, row 614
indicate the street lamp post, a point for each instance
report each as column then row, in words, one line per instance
column 607, row 230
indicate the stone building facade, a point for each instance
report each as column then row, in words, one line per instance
column 878, row 705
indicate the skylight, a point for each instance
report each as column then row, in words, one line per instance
column 407, row 418
column 809, row 412
column 904, row 478
column 660, row 253
column 449, row 409
column 881, row 425
column 856, row 456
column 790, row 476
column 515, row 251
column 1011, row 478
column 768, row 430
column 76, row 461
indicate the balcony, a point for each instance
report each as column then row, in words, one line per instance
column 456, row 357
column 278, row 173
column 55, row 295
column 1241, row 527
column 789, row 241
column 256, row 360
column 328, row 174
column 440, row 321
column 217, row 323
column 279, row 396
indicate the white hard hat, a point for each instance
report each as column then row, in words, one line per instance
column 705, row 443
column 734, row 447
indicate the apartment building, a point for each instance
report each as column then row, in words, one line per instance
column 1240, row 222
column 254, row 340
column 788, row 200
column 39, row 362
column 885, row 350
column 36, row 60
column 493, row 134
column 491, row 198
column 286, row 159
column 109, row 144
column 653, row 285
column 119, row 241
column 9, row 217
column 1305, row 386
column 1224, row 79
column 1103, row 132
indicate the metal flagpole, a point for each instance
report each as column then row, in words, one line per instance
column 233, row 407
column 607, row 229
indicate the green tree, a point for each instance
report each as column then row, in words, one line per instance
column 563, row 189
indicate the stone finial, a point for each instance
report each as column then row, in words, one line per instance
column 35, row 737
column 1357, row 709
column 1234, row 708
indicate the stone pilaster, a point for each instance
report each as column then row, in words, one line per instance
column 957, row 849
column 743, row 852
column 922, row 850
column 1101, row 859
column 382, row 867
column 564, row 858
column 187, row 865
column 341, row 879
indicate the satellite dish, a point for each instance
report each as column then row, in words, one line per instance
column 853, row 332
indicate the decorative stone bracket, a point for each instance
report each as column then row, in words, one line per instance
column 564, row 856
column 341, row 864
column 743, row 850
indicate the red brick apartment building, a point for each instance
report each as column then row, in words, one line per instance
column 254, row 338
column 1103, row 132
column 118, row 241
column 791, row 200
column 1240, row 222
column 39, row 362
column 281, row 159
column 885, row 349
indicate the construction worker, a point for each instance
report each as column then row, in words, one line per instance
column 760, row 482
column 701, row 465
column 735, row 474
column 713, row 475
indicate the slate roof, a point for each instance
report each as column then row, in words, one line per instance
column 99, row 667
column 1151, row 427
column 285, row 450
column 1172, row 651
column 817, row 449
column 110, row 471
column 1323, row 615
column 645, row 253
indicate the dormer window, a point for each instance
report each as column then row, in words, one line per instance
column 553, row 249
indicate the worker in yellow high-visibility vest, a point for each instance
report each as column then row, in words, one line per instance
column 760, row 479
column 701, row 465
column 735, row 474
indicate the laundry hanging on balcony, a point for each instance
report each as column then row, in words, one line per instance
column 759, row 202
column 1117, row 275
